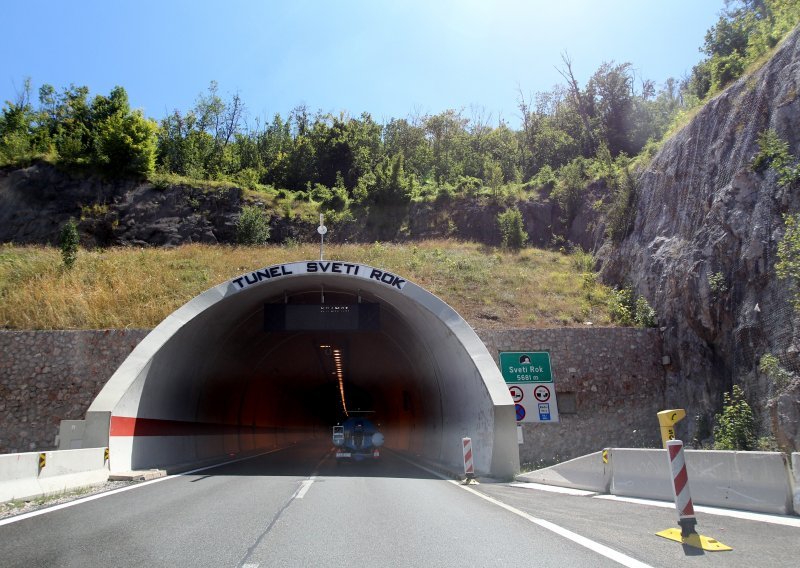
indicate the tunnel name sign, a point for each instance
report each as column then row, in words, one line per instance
column 530, row 381
column 317, row 267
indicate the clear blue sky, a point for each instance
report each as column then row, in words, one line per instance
column 386, row 58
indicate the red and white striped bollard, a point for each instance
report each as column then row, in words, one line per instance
column 680, row 488
column 469, row 467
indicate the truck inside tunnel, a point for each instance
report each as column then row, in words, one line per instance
column 284, row 353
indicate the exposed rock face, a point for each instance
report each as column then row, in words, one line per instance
column 35, row 202
column 704, row 246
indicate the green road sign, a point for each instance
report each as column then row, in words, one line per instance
column 526, row 367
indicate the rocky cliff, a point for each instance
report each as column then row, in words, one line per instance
column 703, row 251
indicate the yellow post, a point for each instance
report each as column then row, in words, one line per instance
column 667, row 420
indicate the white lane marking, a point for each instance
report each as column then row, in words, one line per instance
column 554, row 489
column 250, row 565
column 23, row 516
column 305, row 485
column 592, row 545
column 601, row 549
column 746, row 515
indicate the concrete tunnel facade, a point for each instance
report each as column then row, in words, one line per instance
column 211, row 381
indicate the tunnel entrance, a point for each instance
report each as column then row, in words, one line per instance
column 283, row 353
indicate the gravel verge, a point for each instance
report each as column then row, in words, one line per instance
column 20, row 506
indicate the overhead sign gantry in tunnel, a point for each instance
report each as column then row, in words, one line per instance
column 281, row 354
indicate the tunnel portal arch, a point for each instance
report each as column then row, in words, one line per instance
column 211, row 380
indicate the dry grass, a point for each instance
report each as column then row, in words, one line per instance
column 137, row 288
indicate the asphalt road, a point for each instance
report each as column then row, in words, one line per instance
column 295, row 507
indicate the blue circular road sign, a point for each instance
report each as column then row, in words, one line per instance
column 520, row 412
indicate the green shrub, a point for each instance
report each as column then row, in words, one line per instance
column 770, row 366
column 736, row 426
column 248, row 177
column 252, row 228
column 621, row 212
column 788, row 265
column 68, row 242
column 545, row 177
column 468, row 186
column 644, row 315
column 629, row 309
column 512, row 229
column 621, row 305
column 582, row 261
column 773, row 153
column 718, row 285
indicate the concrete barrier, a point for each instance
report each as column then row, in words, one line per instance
column 21, row 477
column 588, row 472
column 643, row 473
column 753, row 481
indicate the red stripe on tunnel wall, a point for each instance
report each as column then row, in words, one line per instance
column 132, row 426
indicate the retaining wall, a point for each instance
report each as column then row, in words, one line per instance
column 50, row 376
column 609, row 383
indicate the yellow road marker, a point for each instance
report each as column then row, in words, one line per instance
column 695, row 540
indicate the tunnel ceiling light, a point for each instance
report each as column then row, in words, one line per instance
column 336, row 355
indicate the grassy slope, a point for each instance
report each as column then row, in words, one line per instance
column 137, row 288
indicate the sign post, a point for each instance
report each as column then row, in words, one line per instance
column 322, row 229
column 529, row 378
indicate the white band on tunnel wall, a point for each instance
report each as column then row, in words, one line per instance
column 277, row 271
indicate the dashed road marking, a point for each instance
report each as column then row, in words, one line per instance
column 305, row 485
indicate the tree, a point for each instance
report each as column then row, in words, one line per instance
column 72, row 131
column 400, row 136
column 126, row 144
column 612, row 87
column 15, row 131
column 446, row 133
column 176, row 151
column 392, row 187
column 581, row 101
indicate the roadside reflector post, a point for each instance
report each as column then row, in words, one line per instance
column 42, row 461
column 667, row 420
column 106, row 455
column 680, row 488
column 469, row 467
column 683, row 503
